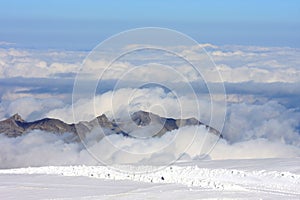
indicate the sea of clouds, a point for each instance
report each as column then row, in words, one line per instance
column 262, row 114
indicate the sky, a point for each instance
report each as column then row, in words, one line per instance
column 81, row 25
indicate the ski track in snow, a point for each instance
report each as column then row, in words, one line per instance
column 263, row 181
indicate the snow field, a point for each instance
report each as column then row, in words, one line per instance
column 285, row 183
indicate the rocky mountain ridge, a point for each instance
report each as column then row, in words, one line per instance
column 16, row 126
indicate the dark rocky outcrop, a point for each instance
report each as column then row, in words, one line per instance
column 16, row 126
column 142, row 118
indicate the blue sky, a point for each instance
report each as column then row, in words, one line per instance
column 83, row 24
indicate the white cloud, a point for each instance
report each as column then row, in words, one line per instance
column 33, row 63
column 235, row 63
column 40, row 148
column 258, row 64
column 5, row 43
column 270, row 120
column 264, row 130
column 155, row 100
column 31, row 108
column 256, row 127
column 256, row 148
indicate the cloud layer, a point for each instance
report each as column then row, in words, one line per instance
column 188, row 143
column 265, row 130
column 263, row 109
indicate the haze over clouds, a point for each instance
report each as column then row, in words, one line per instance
column 235, row 63
column 262, row 119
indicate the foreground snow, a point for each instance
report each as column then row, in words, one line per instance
column 267, row 178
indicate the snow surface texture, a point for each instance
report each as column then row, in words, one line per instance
column 268, row 178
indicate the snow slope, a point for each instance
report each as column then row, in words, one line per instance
column 265, row 178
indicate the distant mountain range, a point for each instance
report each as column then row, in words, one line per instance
column 153, row 124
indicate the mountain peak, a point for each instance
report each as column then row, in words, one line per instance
column 141, row 118
column 17, row 117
